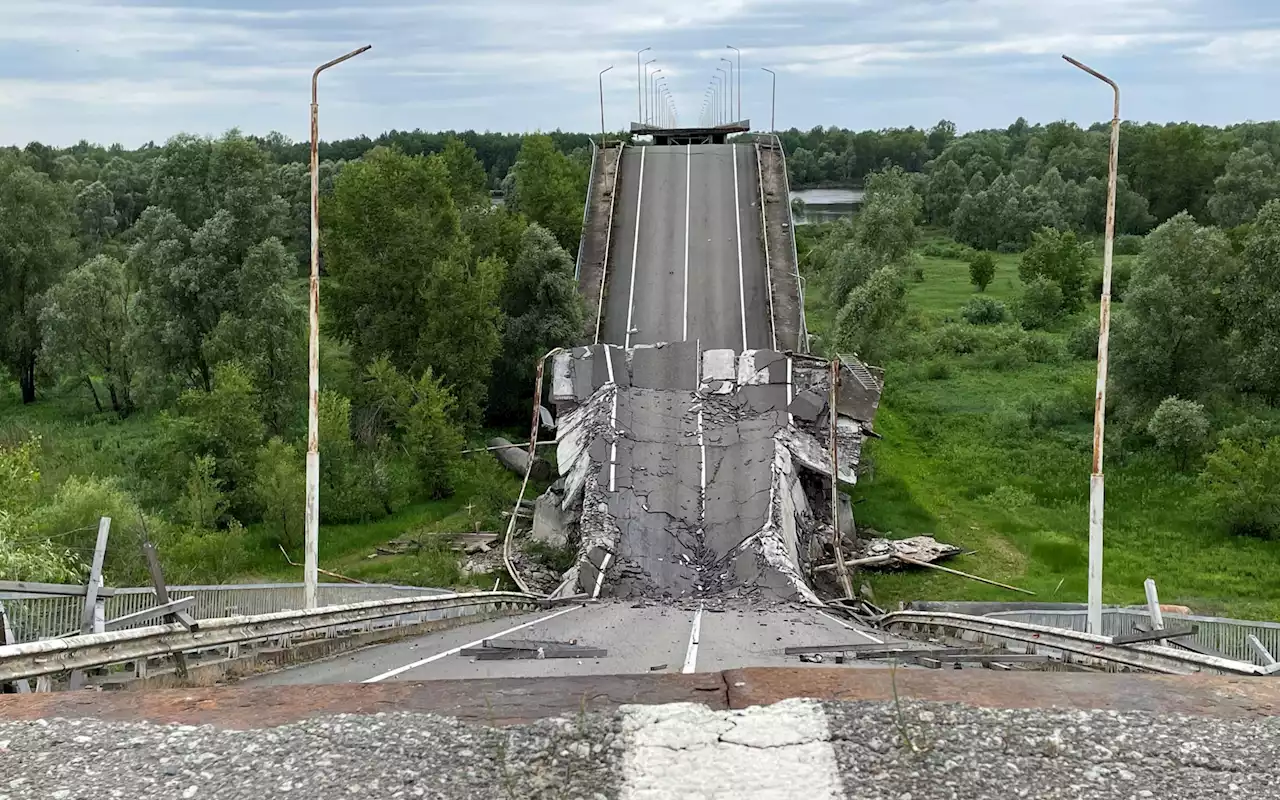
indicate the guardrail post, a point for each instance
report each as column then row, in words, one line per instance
column 89, row 616
column 1153, row 608
column 7, row 637
column 162, row 597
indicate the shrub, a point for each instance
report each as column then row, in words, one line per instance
column 1121, row 273
column 1180, row 428
column 1010, row 497
column 983, row 311
column 1082, row 342
column 1009, row 421
column 202, row 503
column 946, row 249
column 1040, row 348
column 917, row 274
column 1041, row 304
column 1240, row 481
column 1127, row 244
column 1005, row 359
column 193, row 556
column 956, row 339
column 1056, row 409
column 937, row 370
column 1059, row 257
column 281, row 490
column 982, row 269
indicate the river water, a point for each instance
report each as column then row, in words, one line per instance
column 826, row 205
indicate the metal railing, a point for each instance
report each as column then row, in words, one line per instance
column 586, row 208
column 1226, row 636
column 791, row 234
column 51, row 656
column 35, row 618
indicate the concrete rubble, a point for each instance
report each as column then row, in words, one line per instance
column 692, row 474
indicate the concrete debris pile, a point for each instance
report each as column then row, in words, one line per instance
column 916, row 548
column 692, row 473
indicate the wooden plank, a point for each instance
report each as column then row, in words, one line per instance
column 35, row 589
column 169, row 608
column 1153, row 636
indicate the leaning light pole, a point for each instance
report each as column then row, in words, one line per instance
column 600, row 77
column 739, row 52
column 1096, row 493
column 311, row 514
column 773, row 101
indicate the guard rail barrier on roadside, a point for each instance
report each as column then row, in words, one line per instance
column 51, row 656
column 1074, row 645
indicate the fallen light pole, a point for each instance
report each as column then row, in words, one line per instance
column 773, row 101
column 1096, row 493
column 312, row 510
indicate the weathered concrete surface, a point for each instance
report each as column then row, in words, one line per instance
column 600, row 204
column 784, row 280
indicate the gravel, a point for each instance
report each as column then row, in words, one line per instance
column 910, row 751
column 954, row 751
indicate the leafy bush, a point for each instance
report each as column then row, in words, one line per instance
column 1180, row 428
column 1009, row 421
column 194, row 556
column 422, row 414
column 281, row 489
column 1240, row 481
column 917, row 274
column 1121, row 273
column 1041, row 347
column 1059, row 257
column 1057, row 409
column 1082, row 342
column 956, row 339
column 202, row 503
column 1041, row 304
column 947, row 249
column 982, row 269
column 1127, row 244
column 983, row 311
column 71, row 518
column 937, row 370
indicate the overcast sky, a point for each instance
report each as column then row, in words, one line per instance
column 130, row 71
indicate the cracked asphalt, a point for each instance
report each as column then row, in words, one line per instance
column 908, row 750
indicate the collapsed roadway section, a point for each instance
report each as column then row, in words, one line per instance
column 692, row 473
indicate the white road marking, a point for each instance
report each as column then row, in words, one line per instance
column 635, row 249
column 613, row 422
column 791, row 419
column 476, row 643
column 688, row 171
column 737, row 216
column 682, row 750
column 858, row 631
column 695, row 633
column 604, row 565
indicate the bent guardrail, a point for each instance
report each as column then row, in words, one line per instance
column 88, row 651
column 1085, row 646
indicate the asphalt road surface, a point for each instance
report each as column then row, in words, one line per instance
column 636, row 639
column 687, row 255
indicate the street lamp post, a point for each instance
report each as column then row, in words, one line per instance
column 644, row 115
column 1096, row 493
column 639, row 91
column 600, row 77
column 724, row 99
column 653, row 100
column 716, row 105
column 739, row 52
column 311, row 514
column 657, row 94
column 773, row 101
column 730, row 63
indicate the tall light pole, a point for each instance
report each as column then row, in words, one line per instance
column 739, row 52
column 1096, row 494
column 600, row 77
column 773, row 101
column 639, row 84
column 657, row 95
column 311, row 514
column 644, row 115
column 716, row 105
column 723, row 96
column 654, row 83
column 730, row 63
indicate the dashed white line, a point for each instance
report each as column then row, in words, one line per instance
column 476, row 643
column 688, row 171
column 695, row 633
column 791, row 419
column 858, row 631
column 613, row 422
column 635, row 249
column 737, row 216
column 604, row 565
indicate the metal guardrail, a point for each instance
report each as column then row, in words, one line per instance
column 586, row 208
column 791, row 233
column 1220, row 634
column 1084, row 646
column 51, row 656
column 35, row 618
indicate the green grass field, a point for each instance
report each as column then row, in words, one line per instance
column 995, row 459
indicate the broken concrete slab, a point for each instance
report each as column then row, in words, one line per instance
column 719, row 365
column 808, row 405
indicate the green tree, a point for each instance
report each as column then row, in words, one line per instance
column 1240, row 480
column 1254, row 303
column 542, row 310
column 95, row 212
column 1040, row 305
column 1250, row 182
column 982, row 269
column 202, row 503
column 86, row 328
column 26, row 556
column 1059, row 257
column 866, row 323
column 1180, row 428
column 36, row 248
column 468, row 183
column 408, row 283
column 1167, row 336
column 280, row 488
column 422, row 416
column 886, row 224
column 550, row 190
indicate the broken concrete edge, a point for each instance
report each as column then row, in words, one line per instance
column 507, row 701
column 262, row 660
